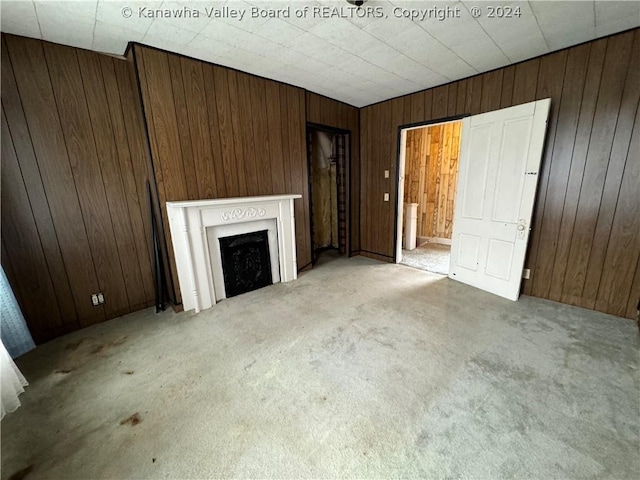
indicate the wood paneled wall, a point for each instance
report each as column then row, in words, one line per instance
column 431, row 172
column 332, row 113
column 585, row 242
column 217, row 132
column 75, row 217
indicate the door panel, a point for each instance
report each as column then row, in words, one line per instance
column 475, row 194
column 499, row 164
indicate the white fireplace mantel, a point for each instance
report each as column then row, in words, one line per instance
column 199, row 273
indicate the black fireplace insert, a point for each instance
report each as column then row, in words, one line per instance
column 246, row 264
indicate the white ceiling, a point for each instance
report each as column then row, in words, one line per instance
column 357, row 60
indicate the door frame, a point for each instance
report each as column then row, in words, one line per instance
column 347, row 180
column 401, row 154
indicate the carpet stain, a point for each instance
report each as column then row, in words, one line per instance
column 423, row 439
column 20, row 474
column 129, row 372
column 133, row 420
column 81, row 351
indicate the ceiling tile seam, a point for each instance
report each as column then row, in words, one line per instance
column 445, row 46
column 414, row 59
column 488, row 35
column 95, row 21
column 364, row 60
column 35, row 10
column 539, row 27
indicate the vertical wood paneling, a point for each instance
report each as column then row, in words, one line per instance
column 549, row 85
column 232, row 78
column 48, row 141
column 614, row 195
column 199, row 169
column 107, row 151
column 453, row 100
column 272, row 95
column 525, row 80
column 440, row 102
column 24, row 149
column 182, row 122
column 506, row 92
column 417, row 103
column 224, row 177
column 491, row 90
column 584, row 245
column 567, row 123
column 69, row 185
column 597, row 162
column 261, row 133
column 299, row 173
column 72, row 107
column 576, row 172
column 136, row 162
column 19, row 230
column 461, row 100
column 474, row 95
column 618, row 289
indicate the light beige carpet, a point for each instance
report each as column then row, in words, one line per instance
column 356, row 370
column 432, row 257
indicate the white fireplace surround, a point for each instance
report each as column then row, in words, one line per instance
column 196, row 224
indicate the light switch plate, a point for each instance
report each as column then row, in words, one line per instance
column 386, row 174
column 386, row 197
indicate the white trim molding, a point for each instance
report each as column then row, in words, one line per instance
column 193, row 224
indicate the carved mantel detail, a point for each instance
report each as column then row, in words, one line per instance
column 240, row 213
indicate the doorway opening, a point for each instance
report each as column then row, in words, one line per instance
column 426, row 195
column 327, row 153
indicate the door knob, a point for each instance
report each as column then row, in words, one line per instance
column 521, row 228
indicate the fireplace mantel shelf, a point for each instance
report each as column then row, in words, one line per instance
column 231, row 201
column 198, row 261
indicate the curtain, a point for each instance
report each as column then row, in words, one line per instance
column 14, row 331
column 13, row 382
column 16, row 337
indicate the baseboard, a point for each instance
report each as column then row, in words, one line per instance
column 441, row 241
column 376, row 256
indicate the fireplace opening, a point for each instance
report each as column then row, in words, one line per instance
column 246, row 263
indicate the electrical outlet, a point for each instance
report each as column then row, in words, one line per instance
column 386, row 174
column 526, row 273
column 101, row 298
column 386, row 197
column 94, row 300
